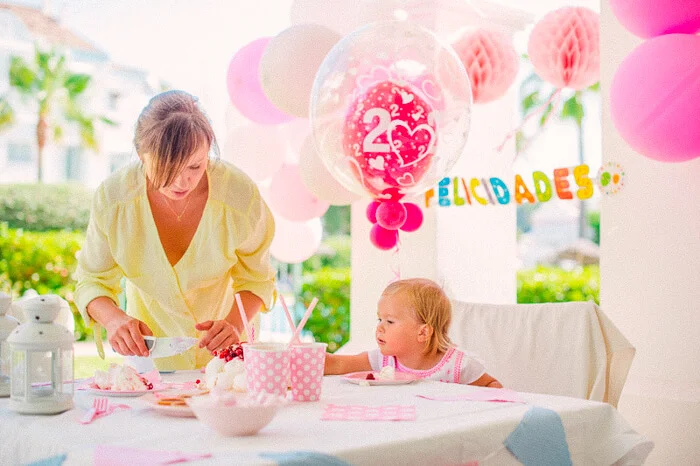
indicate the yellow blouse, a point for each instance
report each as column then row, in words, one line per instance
column 228, row 253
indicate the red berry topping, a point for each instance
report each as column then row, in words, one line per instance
column 197, row 381
column 370, row 377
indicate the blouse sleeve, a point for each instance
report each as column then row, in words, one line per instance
column 97, row 272
column 253, row 271
column 472, row 368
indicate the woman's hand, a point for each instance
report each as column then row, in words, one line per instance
column 125, row 334
column 220, row 334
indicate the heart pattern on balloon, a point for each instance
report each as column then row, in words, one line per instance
column 390, row 131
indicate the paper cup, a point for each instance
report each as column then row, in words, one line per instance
column 306, row 364
column 266, row 367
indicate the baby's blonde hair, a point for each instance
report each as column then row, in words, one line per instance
column 430, row 306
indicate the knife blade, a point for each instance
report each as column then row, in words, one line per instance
column 168, row 346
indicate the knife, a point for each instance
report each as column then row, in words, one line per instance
column 168, row 346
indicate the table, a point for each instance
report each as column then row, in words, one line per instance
column 445, row 432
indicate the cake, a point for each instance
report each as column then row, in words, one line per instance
column 121, row 378
column 387, row 373
column 226, row 371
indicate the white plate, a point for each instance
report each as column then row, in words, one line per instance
column 125, row 393
column 400, row 378
column 177, row 411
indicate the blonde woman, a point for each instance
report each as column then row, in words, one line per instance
column 413, row 319
column 187, row 231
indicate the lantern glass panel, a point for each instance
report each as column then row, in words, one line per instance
column 19, row 361
column 43, row 374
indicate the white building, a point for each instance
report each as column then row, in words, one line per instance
column 116, row 92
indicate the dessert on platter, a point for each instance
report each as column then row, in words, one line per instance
column 226, row 371
column 120, row 378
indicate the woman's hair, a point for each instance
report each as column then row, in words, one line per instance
column 430, row 305
column 170, row 129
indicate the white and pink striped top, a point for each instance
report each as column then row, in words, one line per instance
column 456, row 366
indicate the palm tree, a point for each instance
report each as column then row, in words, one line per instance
column 7, row 115
column 56, row 91
column 533, row 92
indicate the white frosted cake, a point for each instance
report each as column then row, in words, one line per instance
column 226, row 371
column 121, row 378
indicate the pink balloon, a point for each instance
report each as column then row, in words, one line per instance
column 654, row 98
column 414, row 217
column 290, row 198
column 372, row 211
column 294, row 242
column 382, row 238
column 651, row 18
column 244, row 88
column 391, row 215
column 491, row 62
column 391, row 136
column 564, row 47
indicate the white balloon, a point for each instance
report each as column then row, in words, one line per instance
column 319, row 180
column 289, row 64
column 289, row 197
column 295, row 242
column 258, row 150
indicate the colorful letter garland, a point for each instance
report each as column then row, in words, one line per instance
column 566, row 183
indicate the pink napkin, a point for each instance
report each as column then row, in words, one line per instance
column 114, row 455
column 368, row 413
column 110, row 409
column 488, row 394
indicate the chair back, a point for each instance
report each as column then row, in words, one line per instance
column 569, row 349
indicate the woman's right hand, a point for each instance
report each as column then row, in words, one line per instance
column 125, row 334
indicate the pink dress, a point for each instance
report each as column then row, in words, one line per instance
column 456, row 366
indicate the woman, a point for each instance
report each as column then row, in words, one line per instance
column 186, row 231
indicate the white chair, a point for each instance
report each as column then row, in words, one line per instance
column 570, row 349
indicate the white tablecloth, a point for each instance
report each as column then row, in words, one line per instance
column 444, row 432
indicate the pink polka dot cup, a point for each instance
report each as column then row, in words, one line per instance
column 266, row 367
column 306, row 363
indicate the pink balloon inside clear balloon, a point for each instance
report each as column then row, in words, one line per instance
column 414, row 217
column 391, row 136
column 372, row 211
column 651, row 18
column 244, row 89
column 382, row 238
column 654, row 98
column 564, row 47
column 391, row 215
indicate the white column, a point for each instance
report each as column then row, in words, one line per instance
column 650, row 277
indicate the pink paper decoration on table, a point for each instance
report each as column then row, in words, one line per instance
column 334, row 412
column 117, row 455
column 244, row 89
column 490, row 61
column 651, row 18
column 564, row 47
column 655, row 95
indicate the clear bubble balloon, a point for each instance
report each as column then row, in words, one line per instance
column 390, row 110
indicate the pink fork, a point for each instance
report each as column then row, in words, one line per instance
column 99, row 406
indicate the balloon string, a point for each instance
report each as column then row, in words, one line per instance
column 538, row 110
column 396, row 261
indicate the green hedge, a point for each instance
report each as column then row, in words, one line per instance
column 555, row 285
column 330, row 321
column 43, row 261
column 44, row 207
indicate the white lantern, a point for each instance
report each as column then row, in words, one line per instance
column 41, row 360
column 7, row 325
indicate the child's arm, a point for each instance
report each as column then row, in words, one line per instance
column 487, row 381
column 344, row 364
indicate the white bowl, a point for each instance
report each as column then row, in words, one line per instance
column 232, row 421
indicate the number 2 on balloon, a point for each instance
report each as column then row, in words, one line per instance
column 368, row 145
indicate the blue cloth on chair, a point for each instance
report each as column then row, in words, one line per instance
column 52, row 461
column 539, row 439
column 304, row 458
